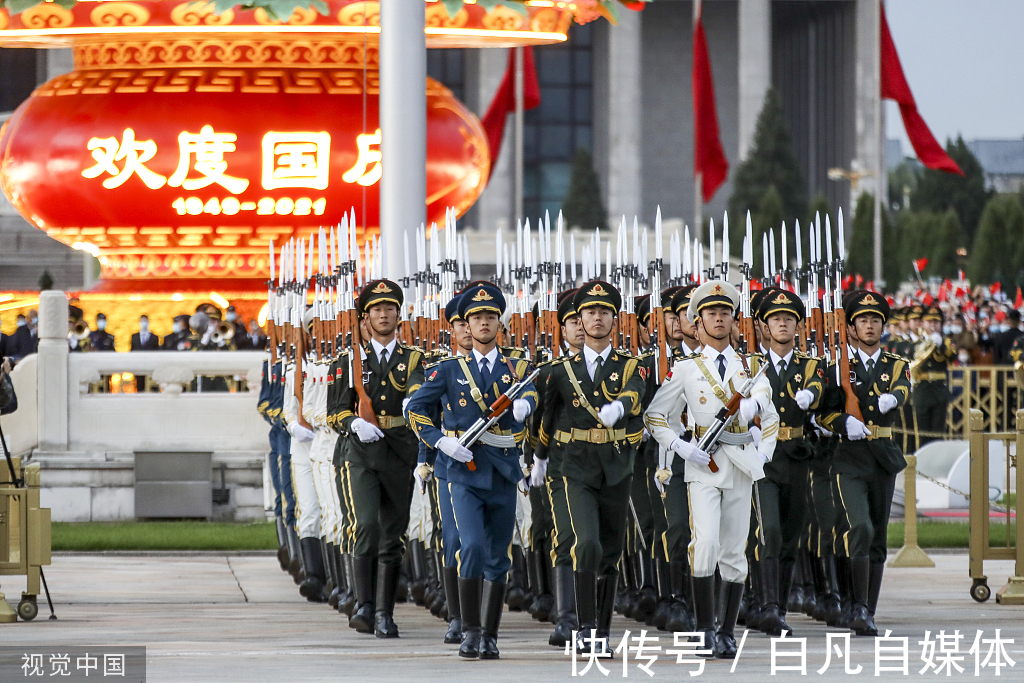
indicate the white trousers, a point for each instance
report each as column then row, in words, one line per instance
column 307, row 515
column 421, row 525
column 524, row 520
column 719, row 524
column 321, row 456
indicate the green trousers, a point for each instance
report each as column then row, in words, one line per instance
column 380, row 505
column 677, row 515
column 783, row 512
column 864, row 505
column 599, row 517
column 562, row 533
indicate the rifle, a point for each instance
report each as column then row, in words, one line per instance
column 709, row 442
column 657, row 313
column 839, row 314
column 494, row 413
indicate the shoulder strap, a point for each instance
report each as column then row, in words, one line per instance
column 474, row 391
column 715, row 386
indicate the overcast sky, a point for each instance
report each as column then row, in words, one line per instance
column 964, row 60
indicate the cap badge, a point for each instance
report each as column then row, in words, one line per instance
column 869, row 300
column 381, row 288
column 781, row 299
column 597, row 290
column 482, row 295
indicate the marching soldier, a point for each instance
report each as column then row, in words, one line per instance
column 592, row 414
column 796, row 382
column 547, row 472
column 867, row 460
column 482, row 479
column 269, row 406
column 719, row 500
column 932, row 358
column 380, row 457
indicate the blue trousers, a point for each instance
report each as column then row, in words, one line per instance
column 450, row 541
column 486, row 521
column 281, row 474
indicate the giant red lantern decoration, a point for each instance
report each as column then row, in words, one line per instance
column 184, row 141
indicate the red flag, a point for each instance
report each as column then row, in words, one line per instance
column 870, row 286
column 708, row 155
column 895, row 87
column 920, row 264
column 928, row 300
column 847, row 281
column 995, row 287
column 504, row 102
column 858, row 281
column 1019, row 301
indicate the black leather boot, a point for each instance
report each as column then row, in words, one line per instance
column 606, row 584
column 347, row 602
column 565, row 606
column 844, row 582
column 874, row 588
column 664, row 581
column 647, row 596
column 282, row 544
column 832, row 609
column 682, row 615
column 312, row 587
column 792, row 600
column 704, row 606
column 586, row 609
column 332, row 576
column 451, row 589
column 387, row 589
column 807, row 564
column 627, row 597
column 440, row 607
column 785, row 580
column 362, row 618
column 770, row 622
column 818, row 613
column 295, row 556
column 469, row 601
column 516, row 593
column 860, row 574
column 543, row 600
column 492, row 600
column 729, row 606
column 418, row 572
column 329, row 581
column 754, row 599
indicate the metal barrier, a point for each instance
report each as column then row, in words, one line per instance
column 991, row 389
column 910, row 555
column 24, row 536
column 980, row 438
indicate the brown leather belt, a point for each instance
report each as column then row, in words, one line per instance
column 595, row 435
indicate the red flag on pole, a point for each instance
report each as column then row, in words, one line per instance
column 895, row 87
column 708, row 155
column 504, row 102
column 1019, row 301
column 920, row 264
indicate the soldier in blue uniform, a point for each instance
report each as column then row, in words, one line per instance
column 482, row 480
column 269, row 406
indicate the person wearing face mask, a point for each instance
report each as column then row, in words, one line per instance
column 256, row 339
column 963, row 338
column 100, row 339
column 933, row 357
column 144, row 340
column 21, row 343
column 179, row 332
column 1003, row 341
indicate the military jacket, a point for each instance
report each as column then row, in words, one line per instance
column 271, row 397
column 454, row 379
column 620, row 378
column 803, row 372
column 891, row 376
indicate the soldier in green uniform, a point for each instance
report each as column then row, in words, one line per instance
column 381, row 458
column 867, row 459
column 932, row 358
column 796, row 382
column 547, row 472
column 592, row 414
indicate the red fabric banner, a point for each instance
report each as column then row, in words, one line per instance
column 504, row 102
column 895, row 87
column 708, row 155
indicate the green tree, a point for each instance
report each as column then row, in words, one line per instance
column 45, row 281
column 937, row 190
column 819, row 205
column 771, row 162
column 583, row 206
column 917, row 232
column 947, row 239
column 998, row 248
column 902, row 183
column 862, row 237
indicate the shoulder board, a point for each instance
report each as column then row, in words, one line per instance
column 695, row 354
column 758, row 356
column 549, row 363
column 412, row 348
column 522, row 365
column 801, row 354
column 892, row 356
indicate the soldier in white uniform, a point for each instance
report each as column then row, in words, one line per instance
column 702, row 384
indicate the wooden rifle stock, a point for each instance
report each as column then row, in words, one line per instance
column 843, row 359
column 657, row 335
column 817, row 328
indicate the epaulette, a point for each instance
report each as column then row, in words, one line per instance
column 801, row 354
column 758, row 356
column 411, row 347
column 691, row 356
column 547, row 363
column 893, row 356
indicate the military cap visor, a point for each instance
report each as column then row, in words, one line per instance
column 380, row 292
column 566, row 307
column 933, row 313
column 483, row 298
column 597, row 293
column 451, row 309
column 867, row 302
column 667, row 295
column 642, row 306
column 681, row 299
column 781, row 302
column 712, row 293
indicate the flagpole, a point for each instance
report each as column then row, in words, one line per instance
column 879, row 127
column 698, row 178
column 518, row 172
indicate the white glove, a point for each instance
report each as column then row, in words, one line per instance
column 821, row 430
column 886, row 402
column 855, row 429
column 521, row 409
column 610, row 413
column 935, row 338
column 755, row 434
column 804, row 399
column 658, row 485
column 749, row 409
column 537, row 474
column 646, row 435
column 366, row 432
column 423, row 474
column 208, row 335
column 765, row 458
column 690, row 453
column 301, row 433
column 451, row 447
column 405, row 404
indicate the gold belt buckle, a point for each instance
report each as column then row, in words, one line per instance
column 598, row 435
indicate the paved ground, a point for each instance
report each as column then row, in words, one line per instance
column 239, row 618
